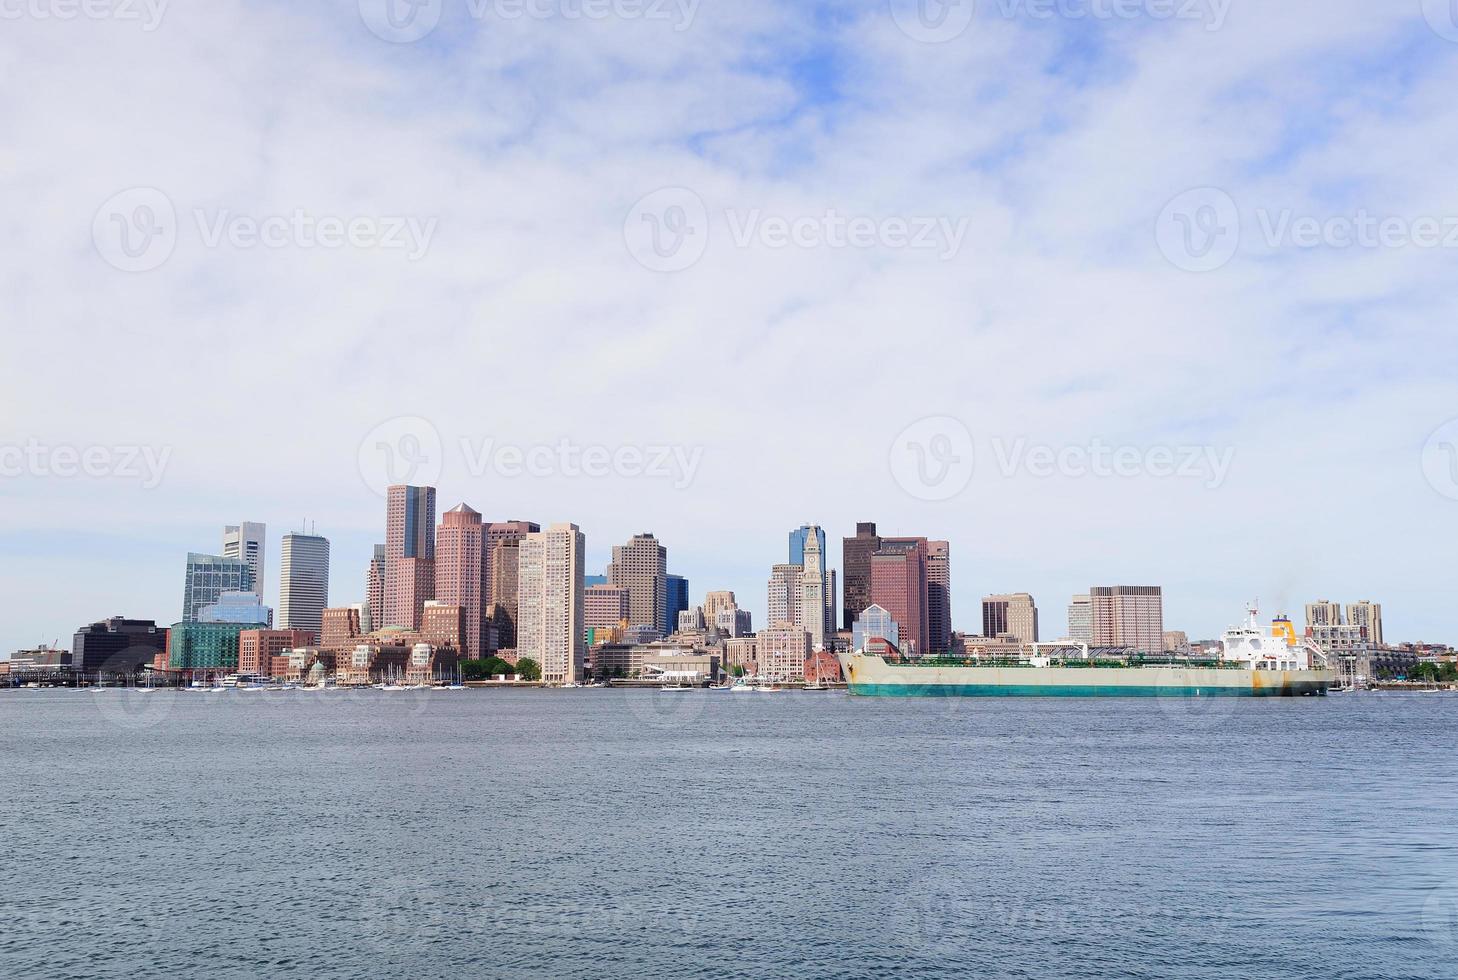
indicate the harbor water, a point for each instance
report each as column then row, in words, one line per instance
column 704, row 834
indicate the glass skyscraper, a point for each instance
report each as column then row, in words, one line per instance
column 208, row 577
column 797, row 543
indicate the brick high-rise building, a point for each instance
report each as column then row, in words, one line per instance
column 1015, row 615
column 443, row 624
column 498, row 534
column 856, row 555
column 1323, row 612
column 641, row 567
column 340, row 628
column 460, row 573
column 550, row 602
column 1130, row 616
column 1367, row 614
column 409, row 554
column 898, row 585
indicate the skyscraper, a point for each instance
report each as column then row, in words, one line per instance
column 814, row 599
column 461, row 573
column 856, row 555
column 303, row 583
column 676, row 601
column 605, row 606
column 374, row 616
column 551, row 602
column 786, row 596
column 500, row 533
column 939, row 595
column 1080, row 619
column 1323, row 612
column 409, row 554
column 714, row 601
column 247, row 541
column 898, row 585
column 1130, row 616
column 641, row 567
column 208, row 577
column 1014, row 615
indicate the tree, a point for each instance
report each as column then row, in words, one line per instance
column 485, row 669
column 529, row 670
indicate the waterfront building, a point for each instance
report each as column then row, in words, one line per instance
column 430, row 662
column 551, row 602
column 206, row 646
column 785, row 594
column 875, row 621
column 303, row 582
column 676, row 600
column 1130, row 616
column 780, row 653
column 374, row 615
column 257, row 648
column 1323, row 612
column 1014, row 615
column 741, row 652
column 208, row 577
column 445, row 624
column 800, row 537
column 641, row 567
column 117, row 645
column 1367, row 614
column 461, row 578
column 1080, row 619
column 248, row 542
column 409, row 554
column 605, row 606
column 898, row 585
column 856, row 555
column 340, row 628
column 236, row 607
column 822, row 668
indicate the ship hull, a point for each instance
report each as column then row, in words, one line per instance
column 873, row 677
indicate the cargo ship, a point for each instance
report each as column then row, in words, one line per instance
column 1252, row 662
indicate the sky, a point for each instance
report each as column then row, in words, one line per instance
column 1100, row 291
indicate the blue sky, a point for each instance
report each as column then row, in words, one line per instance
column 1076, row 154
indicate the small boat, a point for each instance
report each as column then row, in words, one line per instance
column 675, row 687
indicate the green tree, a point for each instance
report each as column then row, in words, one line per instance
column 485, row 669
column 529, row 670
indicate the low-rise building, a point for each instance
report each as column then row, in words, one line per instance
column 258, row 648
